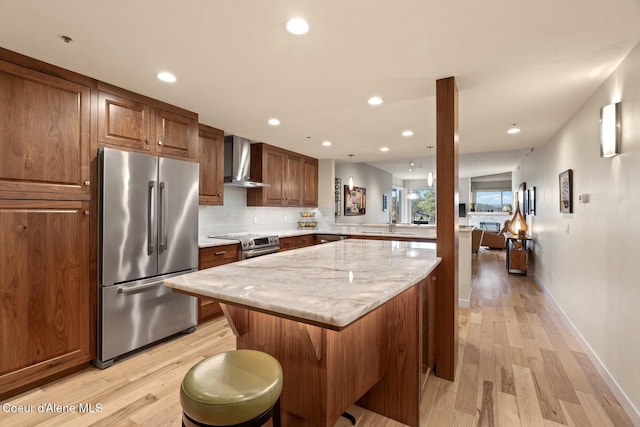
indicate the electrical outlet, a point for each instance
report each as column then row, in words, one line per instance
column 566, row 231
column 285, row 218
column 255, row 219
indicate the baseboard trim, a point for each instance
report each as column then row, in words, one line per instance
column 465, row 302
column 628, row 406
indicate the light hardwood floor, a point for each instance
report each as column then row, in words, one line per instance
column 519, row 365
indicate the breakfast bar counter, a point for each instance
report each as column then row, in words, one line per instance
column 348, row 321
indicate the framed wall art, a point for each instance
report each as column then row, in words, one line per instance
column 532, row 200
column 566, row 191
column 522, row 199
column 355, row 201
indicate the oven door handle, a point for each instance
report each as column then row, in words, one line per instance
column 257, row 252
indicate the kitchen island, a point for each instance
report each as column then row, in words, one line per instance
column 347, row 320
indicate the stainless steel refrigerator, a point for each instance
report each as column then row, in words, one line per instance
column 148, row 232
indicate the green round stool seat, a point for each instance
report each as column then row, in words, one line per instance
column 231, row 388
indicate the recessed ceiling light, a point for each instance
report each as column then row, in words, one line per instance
column 384, row 149
column 375, row 100
column 326, row 143
column 166, row 77
column 515, row 129
column 273, row 122
column 407, row 133
column 297, row 26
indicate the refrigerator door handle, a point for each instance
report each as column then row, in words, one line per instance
column 162, row 244
column 150, row 219
column 139, row 288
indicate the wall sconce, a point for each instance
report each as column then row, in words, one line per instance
column 610, row 130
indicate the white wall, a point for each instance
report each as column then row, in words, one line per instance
column 326, row 175
column 588, row 260
column 464, row 195
column 376, row 181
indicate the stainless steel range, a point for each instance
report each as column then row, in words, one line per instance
column 252, row 245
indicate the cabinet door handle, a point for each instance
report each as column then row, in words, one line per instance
column 221, row 253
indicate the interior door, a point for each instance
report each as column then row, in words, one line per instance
column 128, row 200
column 178, row 215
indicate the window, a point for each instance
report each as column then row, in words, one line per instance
column 395, row 212
column 492, row 201
column 423, row 208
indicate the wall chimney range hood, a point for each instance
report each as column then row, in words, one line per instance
column 237, row 163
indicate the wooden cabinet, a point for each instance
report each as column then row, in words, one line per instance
column 295, row 242
column 44, row 134
column 291, row 176
column 46, row 156
column 211, row 158
column 310, row 182
column 44, row 283
column 293, row 179
column 517, row 254
column 133, row 122
column 212, row 257
column 124, row 122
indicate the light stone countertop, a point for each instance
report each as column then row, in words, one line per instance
column 402, row 231
column 331, row 285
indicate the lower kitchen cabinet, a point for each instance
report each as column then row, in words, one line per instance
column 296, row 242
column 212, row 257
column 44, row 290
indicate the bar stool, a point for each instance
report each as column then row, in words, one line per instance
column 239, row 388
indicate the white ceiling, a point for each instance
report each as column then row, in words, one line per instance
column 530, row 63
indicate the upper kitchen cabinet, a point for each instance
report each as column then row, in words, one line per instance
column 124, row 122
column 211, row 157
column 131, row 121
column 44, row 134
column 290, row 176
column 176, row 134
column 310, row 182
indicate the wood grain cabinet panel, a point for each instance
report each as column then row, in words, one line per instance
column 44, row 133
column 212, row 257
column 286, row 172
column 133, row 122
column 296, row 242
column 211, row 158
column 176, row 134
column 124, row 122
column 273, row 167
column 44, row 283
column 310, row 182
column 293, row 180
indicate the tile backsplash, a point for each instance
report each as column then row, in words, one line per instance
column 235, row 216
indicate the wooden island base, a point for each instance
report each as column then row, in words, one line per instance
column 375, row 362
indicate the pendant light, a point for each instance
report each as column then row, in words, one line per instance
column 351, row 176
column 430, row 173
column 412, row 195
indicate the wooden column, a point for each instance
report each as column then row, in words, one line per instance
column 447, row 227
